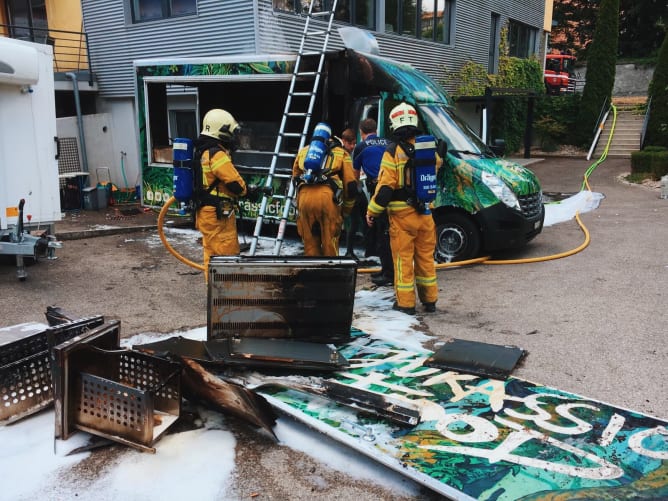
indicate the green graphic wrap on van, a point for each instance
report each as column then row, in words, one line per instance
column 462, row 186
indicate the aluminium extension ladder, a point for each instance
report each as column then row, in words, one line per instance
column 298, row 108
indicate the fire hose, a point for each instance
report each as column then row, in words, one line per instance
column 439, row 266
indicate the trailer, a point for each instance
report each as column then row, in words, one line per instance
column 29, row 183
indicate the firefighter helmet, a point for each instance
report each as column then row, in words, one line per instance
column 403, row 115
column 219, row 124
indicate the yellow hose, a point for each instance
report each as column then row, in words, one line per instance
column 487, row 260
column 161, row 222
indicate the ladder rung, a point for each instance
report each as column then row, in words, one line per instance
column 322, row 13
column 303, row 94
column 307, row 73
column 290, row 134
column 285, row 154
column 296, row 114
column 316, row 33
column 312, row 53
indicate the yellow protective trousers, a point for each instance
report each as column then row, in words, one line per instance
column 319, row 220
column 219, row 236
column 413, row 239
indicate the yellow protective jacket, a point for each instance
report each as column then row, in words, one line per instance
column 319, row 215
column 338, row 169
column 392, row 178
column 220, row 167
column 218, row 224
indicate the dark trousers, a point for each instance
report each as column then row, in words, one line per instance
column 378, row 237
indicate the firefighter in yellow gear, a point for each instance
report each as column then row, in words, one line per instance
column 323, row 202
column 412, row 233
column 222, row 185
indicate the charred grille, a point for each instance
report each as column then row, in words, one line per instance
column 531, row 204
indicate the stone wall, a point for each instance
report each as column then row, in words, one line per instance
column 630, row 79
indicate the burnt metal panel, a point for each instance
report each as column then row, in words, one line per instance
column 123, row 395
column 176, row 345
column 473, row 357
column 26, row 384
column 304, row 298
column 276, row 353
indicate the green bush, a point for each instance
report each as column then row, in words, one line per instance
column 657, row 125
column 653, row 160
column 601, row 61
column 555, row 118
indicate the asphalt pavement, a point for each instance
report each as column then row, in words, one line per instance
column 593, row 323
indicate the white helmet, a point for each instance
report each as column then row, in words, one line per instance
column 402, row 115
column 219, row 124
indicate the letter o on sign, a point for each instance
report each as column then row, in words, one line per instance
column 481, row 429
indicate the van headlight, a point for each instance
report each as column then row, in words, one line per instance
column 500, row 190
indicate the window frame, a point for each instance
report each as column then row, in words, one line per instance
column 166, row 8
column 302, row 6
column 521, row 39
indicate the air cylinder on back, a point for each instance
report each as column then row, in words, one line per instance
column 317, row 151
column 182, row 154
column 425, row 170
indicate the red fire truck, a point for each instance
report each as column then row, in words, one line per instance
column 559, row 73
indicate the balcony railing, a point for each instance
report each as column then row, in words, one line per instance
column 70, row 48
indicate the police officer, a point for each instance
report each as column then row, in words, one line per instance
column 412, row 232
column 324, row 199
column 367, row 156
column 222, row 185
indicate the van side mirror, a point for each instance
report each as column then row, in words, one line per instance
column 499, row 147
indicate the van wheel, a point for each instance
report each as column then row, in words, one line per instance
column 457, row 238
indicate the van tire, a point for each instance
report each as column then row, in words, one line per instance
column 457, row 238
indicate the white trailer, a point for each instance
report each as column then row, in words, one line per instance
column 29, row 183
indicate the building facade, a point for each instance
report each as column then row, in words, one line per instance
column 435, row 36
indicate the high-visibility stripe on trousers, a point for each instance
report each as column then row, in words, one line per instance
column 412, row 239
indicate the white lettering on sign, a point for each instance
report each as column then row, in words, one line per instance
column 503, row 444
column 504, row 451
column 636, row 440
column 542, row 418
column 428, row 178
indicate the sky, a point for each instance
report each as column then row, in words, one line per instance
column 37, row 464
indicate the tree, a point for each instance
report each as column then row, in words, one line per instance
column 657, row 126
column 600, row 69
column 642, row 26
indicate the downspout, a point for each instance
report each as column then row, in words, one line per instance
column 77, row 104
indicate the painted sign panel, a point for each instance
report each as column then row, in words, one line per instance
column 489, row 439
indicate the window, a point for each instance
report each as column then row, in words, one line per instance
column 521, row 39
column 28, row 18
column 435, row 20
column 493, row 44
column 149, row 10
column 433, row 23
column 355, row 12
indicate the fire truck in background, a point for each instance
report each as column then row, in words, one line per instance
column 560, row 74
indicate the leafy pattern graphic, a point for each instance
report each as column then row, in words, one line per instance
column 157, row 185
column 493, row 440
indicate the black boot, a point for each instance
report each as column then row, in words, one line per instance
column 408, row 310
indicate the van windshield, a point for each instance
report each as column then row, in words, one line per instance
column 454, row 131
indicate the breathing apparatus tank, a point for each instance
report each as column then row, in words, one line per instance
column 182, row 154
column 425, row 172
column 317, row 152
